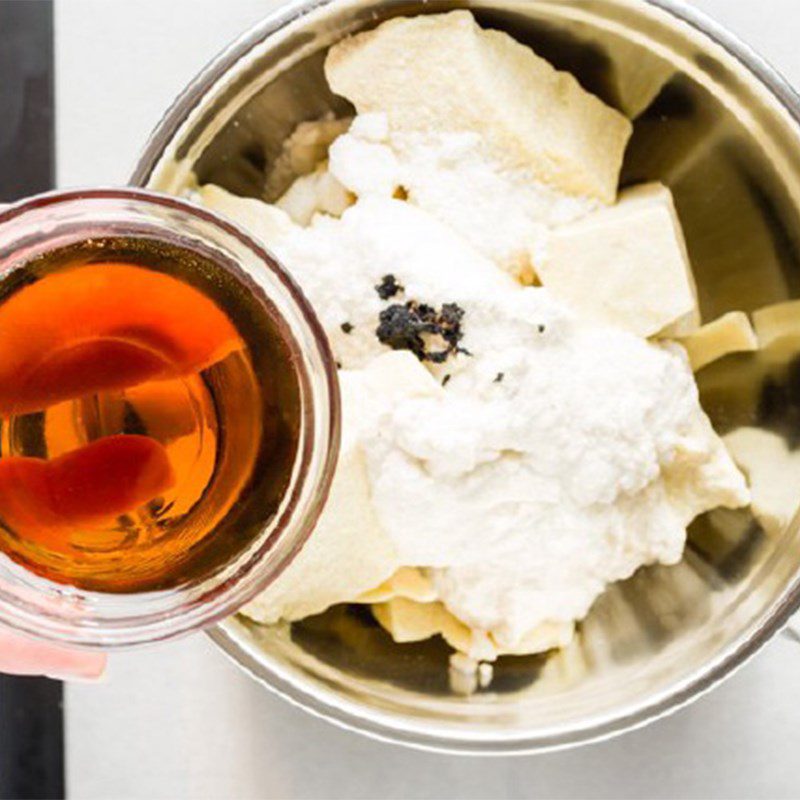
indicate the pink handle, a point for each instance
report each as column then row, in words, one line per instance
column 22, row 656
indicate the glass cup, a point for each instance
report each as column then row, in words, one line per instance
column 68, row 615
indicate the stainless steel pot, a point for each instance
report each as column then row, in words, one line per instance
column 719, row 126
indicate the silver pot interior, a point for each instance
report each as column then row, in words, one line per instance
column 730, row 150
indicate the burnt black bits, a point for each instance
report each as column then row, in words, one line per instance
column 430, row 334
column 388, row 287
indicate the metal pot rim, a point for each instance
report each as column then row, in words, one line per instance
column 383, row 727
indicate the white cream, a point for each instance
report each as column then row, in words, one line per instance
column 563, row 452
column 442, row 72
column 504, row 212
column 525, row 494
column 349, row 552
column 338, row 262
column 529, row 496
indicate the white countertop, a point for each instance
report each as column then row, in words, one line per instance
column 180, row 721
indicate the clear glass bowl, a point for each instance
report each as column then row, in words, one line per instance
column 68, row 615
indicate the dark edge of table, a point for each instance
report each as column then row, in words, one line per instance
column 31, row 709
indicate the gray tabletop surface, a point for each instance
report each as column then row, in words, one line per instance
column 180, row 721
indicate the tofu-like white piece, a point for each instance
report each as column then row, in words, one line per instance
column 409, row 621
column 625, row 265
column 268, row 224
column 348, row 552
column 362, row 161
column 442, row 72
column 304, row 151
column 462, row 638
column 318, row 192
column 731, row 333
column 308, row 145
column 701, row 476
column 634, row 87
column 773, row 472
column 547, row 636
column 407, row 582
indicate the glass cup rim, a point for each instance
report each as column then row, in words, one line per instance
column 226, row 598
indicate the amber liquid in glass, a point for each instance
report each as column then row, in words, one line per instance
column 149, row 415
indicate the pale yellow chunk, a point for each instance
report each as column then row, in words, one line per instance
column 731, row 333
column 773, row 472
column 303, row 152
column 442, row 72
column 407, row 582
column 348, row 552
column 548, row 636
column 637, row 78
column 474, row 643
column 409, row 621
column 777, row 330
column 318, row 192
column 457, row 634
column 308, row 145
column 625, row 265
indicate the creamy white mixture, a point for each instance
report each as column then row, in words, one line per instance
column 560, row 456
column 502, row 211
column 553, row 457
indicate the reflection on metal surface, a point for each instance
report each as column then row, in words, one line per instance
column 730, row 149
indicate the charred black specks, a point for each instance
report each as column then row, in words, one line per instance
column 388, row 287
column 430, row 334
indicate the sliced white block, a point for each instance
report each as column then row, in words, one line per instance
column 773, row 472
column 548, row 636
column 440, row 73
column 636, row 84
column 308, row 145
column 407, row 582
column 409, row 621
column 625, row 265
column 348, row 552
column 731, row 333
column 318, row 192
column 304, row 151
